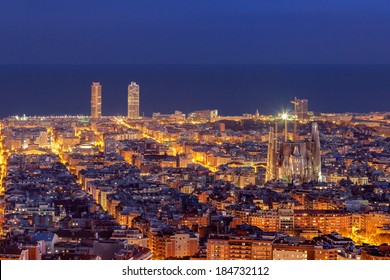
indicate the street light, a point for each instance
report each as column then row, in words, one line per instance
column 285, row 117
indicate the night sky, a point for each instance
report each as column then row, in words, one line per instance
column 195, row 31
column 211, row 46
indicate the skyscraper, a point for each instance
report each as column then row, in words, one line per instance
column 133, row 101
column 96, row 100
column 302, row 107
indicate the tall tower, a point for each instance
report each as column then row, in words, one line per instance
column 133, row 101
column 295, row 102
column 271, row 161
column 302, row 107
column 96, row 100
column 315, row 134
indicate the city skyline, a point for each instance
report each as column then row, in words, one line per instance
column 194, row 130
column 269, row 89
column 240, row 188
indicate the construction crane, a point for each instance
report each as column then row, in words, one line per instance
column 295, row 102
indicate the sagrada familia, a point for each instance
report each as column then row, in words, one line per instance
column 294, row 161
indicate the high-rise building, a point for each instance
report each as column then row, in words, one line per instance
column 294, row 161
column 302, row 109
column 96, row 100
column 133, row 101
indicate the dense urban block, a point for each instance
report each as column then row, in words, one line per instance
column 297, row 186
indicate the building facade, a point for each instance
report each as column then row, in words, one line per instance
column 238, row 248
column 133, row 101
column 96, row 100
column 203, row 115
column 294, row 161
column 302, row 109
column 109, row 146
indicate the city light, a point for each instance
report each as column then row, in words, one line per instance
column 253, row 130
column 119, row 171
column 284, row 116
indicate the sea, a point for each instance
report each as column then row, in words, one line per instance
column 232, row 89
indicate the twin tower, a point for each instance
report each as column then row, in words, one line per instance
column 132, row 100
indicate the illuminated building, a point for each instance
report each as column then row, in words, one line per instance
column 220, row 126
column 109, row 146
column 133, row 101
column 172, row 245
column 329, row 246
column 35, row 250
column 266, row 220
column 287, row 251
column 298, row 161
column 102, row 196
column 290, row 221
column 324, row 253
column 203, row 116
column 286, row 220
column 177, row 116
column 181, row 245
column 96, row 100
column 376, row 253
column 112, row 203
column 325, row 221
column 133, row 236
column 222, row 247
column 370, row 223
column 302, row 109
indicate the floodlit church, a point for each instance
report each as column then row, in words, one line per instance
column 294, row 161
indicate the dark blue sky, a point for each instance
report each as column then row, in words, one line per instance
column 194, row 31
